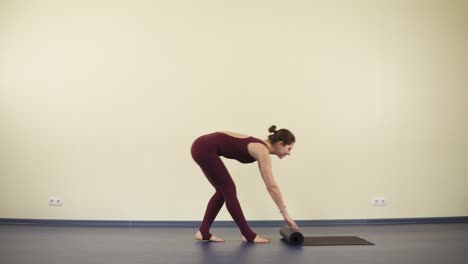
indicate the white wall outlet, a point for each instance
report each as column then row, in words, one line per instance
column 379, row 202
column 55, row 201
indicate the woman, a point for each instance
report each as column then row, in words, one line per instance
column 206, row 151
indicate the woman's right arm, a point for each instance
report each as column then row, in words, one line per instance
column 270, row 183
column 264, row 163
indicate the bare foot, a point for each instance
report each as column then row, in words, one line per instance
column 199, row 237
column 258, row 239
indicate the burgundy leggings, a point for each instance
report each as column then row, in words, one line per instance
column 205, row 155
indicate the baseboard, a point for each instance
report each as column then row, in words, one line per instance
column 255, row 223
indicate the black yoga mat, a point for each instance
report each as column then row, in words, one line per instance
column 297, row 239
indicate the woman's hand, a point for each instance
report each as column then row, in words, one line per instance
column 290, row 221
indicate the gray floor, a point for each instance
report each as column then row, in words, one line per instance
column 425, row 243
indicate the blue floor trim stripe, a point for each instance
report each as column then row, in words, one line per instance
column 258, row 223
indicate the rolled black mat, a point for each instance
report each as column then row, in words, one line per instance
column 291, row 236
column 297, row 239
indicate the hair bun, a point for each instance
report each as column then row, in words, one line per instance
column 272, row 129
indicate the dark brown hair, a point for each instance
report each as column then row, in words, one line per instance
column 281, row 135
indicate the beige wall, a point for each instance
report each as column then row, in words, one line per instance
column 100, row 101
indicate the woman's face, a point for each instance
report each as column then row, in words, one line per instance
column 281, row 150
